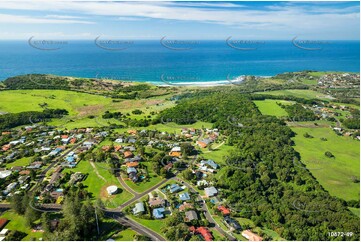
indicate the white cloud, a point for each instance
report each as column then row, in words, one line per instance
column 23, row 19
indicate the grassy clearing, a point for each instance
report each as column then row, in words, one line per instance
column 125, row 235
column 97, row 186
column 27, row 100
column 219, row 154
column 25, row 161
column 145, row 185
column 17, row 222
column 270, row 107
column 153, row 224
column 334, row 174
column 308, row 94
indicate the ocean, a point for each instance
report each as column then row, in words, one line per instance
column 196, row 62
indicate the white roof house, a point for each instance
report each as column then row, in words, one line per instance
column 4, row 174
column 210, row 191
column 176, row 149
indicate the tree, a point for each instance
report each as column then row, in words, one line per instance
column 17, row 204
column 329, row 154
column 188, row 174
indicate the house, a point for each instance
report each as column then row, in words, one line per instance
column 185, row 206
column 117, row 147
column 3, row 222
column 203, row 231
column 248, row 234
column 175, row 152
column 4, row 232
column 156, row 201
column 106, row 148
column 132, row 132
column 136, row 158
column 132, row 164
column 175, row 188
column 184, row 196
column 210, row 191
column 190, row 215
column 5, row 173
column 214, row 200
column 131, row 169
column 202, row 182
column 57, row 194
column 158, row 213
column 127, row 154
column 9, row 188
column 119, row 140
column 139, row 208
column 232, row 223
column 203, row 143
column 6, row 147
column 210, row 163
column 225, row 211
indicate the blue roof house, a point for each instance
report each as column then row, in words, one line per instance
column 158, row 213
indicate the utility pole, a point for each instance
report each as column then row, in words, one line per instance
column 96, row 217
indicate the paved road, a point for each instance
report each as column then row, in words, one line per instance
column 118, row 216
column 55, row 161
column 138, row 227
column 206, row 211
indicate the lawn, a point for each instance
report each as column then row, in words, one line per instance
column 155, row 225
column 97, row 185
column 270, row 107
column 25, row 161
column 176, row 128
column 144, row 185
column 334, row 174
column 125, row 235
column 219, row 154
column 17, row 222
column 308, row 94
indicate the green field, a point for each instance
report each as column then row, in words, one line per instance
column 17, row 222
column 125, row 235
column 308, row 94
column 334, row 174
column 219, row 154
column 153, row 224
column 25, row 161
column 270, row 107
column 97, row 186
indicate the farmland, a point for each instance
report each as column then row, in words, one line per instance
column 334, row 174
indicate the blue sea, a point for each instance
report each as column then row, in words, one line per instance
column 151, row 61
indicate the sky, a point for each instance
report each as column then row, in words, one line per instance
column 71, row 20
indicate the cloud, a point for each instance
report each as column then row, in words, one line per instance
column 294, row 17
column 23, row 19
